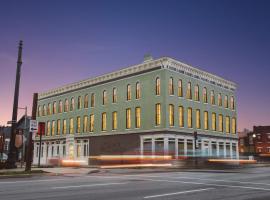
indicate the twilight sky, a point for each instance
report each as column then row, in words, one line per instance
column 66, row 41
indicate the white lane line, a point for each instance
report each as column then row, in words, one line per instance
column 175, row 193
column 33, row 181
column 91, row 185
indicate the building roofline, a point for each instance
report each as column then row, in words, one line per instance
column 163, row 62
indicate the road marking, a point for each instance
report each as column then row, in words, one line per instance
column 33, row 181
column 175, row 193
column 91, row 185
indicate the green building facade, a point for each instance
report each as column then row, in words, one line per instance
column 150, row 108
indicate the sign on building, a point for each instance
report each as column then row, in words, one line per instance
column 33, row 126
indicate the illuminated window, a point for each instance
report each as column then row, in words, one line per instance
column 220, row 123
column 39, row 111
column 44, row 110
column 189, row 94
column 85, row 123
column 58, row 126
column 53, row 128
column 79, row 106
column 49, row 109
column 104, row 97
column 128, row 118
column 72, row 105
column 212, row 97
column 180, row 88
column 114, row 120
column 227, row 124
column 54, row 107
column 158, row 114
column 91, row 125
column 48, row 128
column 71, row 126
column 92, row 100
column 205, row 120
column 232, row 103
column 138, row 117
column 60, row 107
column 171, row 88
column 204, row 95
column 138, row 90
column 171, row 115
column 86, row 101
column 233, row 125
column 114, row 97
column 157, row 86
column 214, row 124
column 189, row 117
column 198, row 119
column 219, row 100
column 66, row 106
column 64, row 130
column 104, row 122
column 128, row 92
column 196, row 93
column 78, row 125
column 226, row 104
column 181, row 116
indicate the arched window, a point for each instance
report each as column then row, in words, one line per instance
column 104, row 122
column 91, row 123
column 79, row 106
column 138, row 117
column 138, row 90
column 85, row 123
column 49, row 111
column 48, row 128
column 204, row 95
column 60, row 107
column 227, row 124
column 232, row 103
column 92, row 100
column 220, row 123
column 78, row 130
column 189, row 94
column 205, row 120
column 226, row 104
column 72, row 105
column 104, row 97
column 189, row 117
column 128, row 92
column 233, row 125
column 66, row 105
column 196, row 93
column 39, row 111
column 180, row 88
column 128, row 118
column 198, row 119
column 214, row 124
column 71, row 126
column 54, row 107
column 114, row 120
column 114, row 96
column 219, row 100
column 53, row 128
column 171, row 88
column 181, row 116
column 86, row 101
column 171, row 115
column 212, row 97
column 44, row 110
column 157, row 86
column 158, row 114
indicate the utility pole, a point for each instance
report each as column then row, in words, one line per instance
column 12, row 154
column 29, row 155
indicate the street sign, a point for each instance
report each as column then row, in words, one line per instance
column 33, row 126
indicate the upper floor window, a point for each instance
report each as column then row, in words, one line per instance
column 48, row 128
column 114, row 97
column 138, row 90
column 114, row 120
column 85, row 123
column 232, row 103
column 60, row 107
column 233, row 125
column 91, row 125
column 227, row 124
column 54, row 107
column 66, row 106
column 204, row 95
column 71, row 126
column 189, row 117
column 92, row 100
column 171, row 115
column 226, row 103
column 79, row 106
column 128, row 118
column 171, row 88
column 128, row 92
column 78, row 125
column 58, row 127
column 198, row 119
column 196, row 92
column 212, row 96
column 158, row 114
column 220, row 123
column 180, row 88
column 86, row 101
column 104, row 122
column 205, row 120
column 72, row 105
column 104, row 97
column 53, row 128
column 157, row 86
column 214, row 124
column 219, row 100
column 138, row 117
column 49, row 109
column 44, row 110
column 189, row 94
column 64, row 130
column 39, row 111
column 181, row 116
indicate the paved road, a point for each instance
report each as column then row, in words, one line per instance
column 118, row 185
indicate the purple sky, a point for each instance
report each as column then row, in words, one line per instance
column 66, row 41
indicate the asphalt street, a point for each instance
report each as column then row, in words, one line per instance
column 119, row 184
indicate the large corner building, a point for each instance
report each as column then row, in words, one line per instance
column 150, row 108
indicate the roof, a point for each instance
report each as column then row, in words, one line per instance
column 163, row 62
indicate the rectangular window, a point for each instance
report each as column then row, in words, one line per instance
column 180, row 88
column 205, row 120
column 104, row 98
column 157, row 86
column 214, row 126
column 71, row 126
column 198, row 119
column 53, row 128
column 128, row 118
column 86, row 101
column 138, row 117
column 85, row 122
column 171, row 88
column 189, row 117
column 227, row 124
column 181, row 116
column 114, row 97
column 114, row 120
column 233, row 125
column 158, row 114
column 171, row 115
column 196, row 93
column 58, row 126
column 104, row 122
column 220, row 123
column 189, row 94
column 48, row 128
column 128, row 92
column 138, row 90
column 64, row 131
column 92, row 100
column 78, row 125
column 91, row 125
